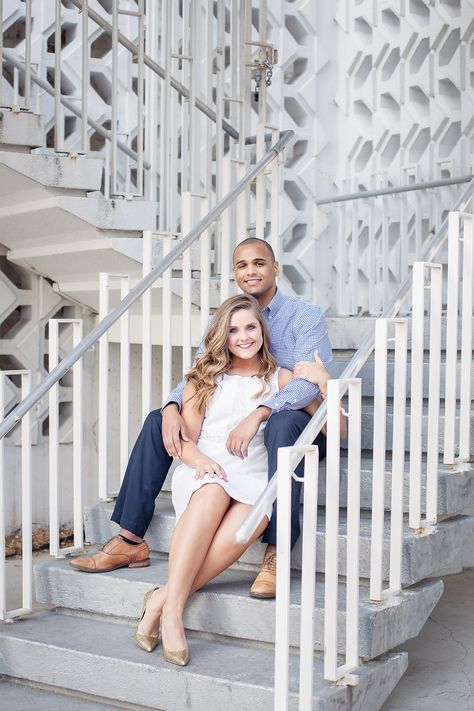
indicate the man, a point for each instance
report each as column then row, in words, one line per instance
column 296, row 329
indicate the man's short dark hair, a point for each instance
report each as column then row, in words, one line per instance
column 255, row 240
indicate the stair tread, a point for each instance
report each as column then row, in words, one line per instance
column 20, row 697
column 101, row 658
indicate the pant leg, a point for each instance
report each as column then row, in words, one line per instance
column 144, row 477
column 282, row 430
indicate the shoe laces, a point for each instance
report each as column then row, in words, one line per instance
column 269, row 564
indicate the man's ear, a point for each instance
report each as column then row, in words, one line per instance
column 276, row 268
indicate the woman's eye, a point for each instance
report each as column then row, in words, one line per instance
column 251, row 327
column 233, row 330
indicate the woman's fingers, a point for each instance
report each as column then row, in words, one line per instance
column 210, row 469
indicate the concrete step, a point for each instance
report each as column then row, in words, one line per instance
column 349, row 332
column 28, row 172
column 424, row 553
column 100, row 658
column 224, row 607
column 367, row 431
column 341, row 359
column 16, row 696
column 455, row 486
column 20, row 130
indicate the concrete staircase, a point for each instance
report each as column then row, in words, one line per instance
column 83, row 645
column 53, row 218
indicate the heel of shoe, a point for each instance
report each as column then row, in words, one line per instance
column 140, row 564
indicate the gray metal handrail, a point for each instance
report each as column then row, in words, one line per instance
column 394, row 190
column 268, row 495
column 155, row 67
column 66, row 364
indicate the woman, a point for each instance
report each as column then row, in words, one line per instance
column 213, row 490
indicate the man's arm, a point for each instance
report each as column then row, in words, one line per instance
column 173, row 429
column 176, row 396
column 299, row 393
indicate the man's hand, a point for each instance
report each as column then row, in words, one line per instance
column 173, row 430
column 239, row 439
column 206, row 465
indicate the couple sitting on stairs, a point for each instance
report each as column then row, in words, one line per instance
column 242, row 400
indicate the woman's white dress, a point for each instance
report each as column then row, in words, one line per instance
column 233, row 399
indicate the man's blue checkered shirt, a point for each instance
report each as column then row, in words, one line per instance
column 296, row 329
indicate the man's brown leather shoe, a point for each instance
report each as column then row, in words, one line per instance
column 264, row 586
column 114, row 554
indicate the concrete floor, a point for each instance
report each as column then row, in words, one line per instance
column 440, row 675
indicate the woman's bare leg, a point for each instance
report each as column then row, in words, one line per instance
column 222, row 553
column 189, row 544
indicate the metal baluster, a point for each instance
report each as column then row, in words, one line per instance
column 451, row 338
column 466, row 339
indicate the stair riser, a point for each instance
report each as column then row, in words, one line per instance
column 455, row 490
column 367, row 434
column 423, row 554
column 21, row 129
column 339, row 363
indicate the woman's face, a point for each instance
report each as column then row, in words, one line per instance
column 245, row 337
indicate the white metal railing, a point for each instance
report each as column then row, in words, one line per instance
column 408, row 455
column 159, row 276
column 379, row 233
column 379, row 456
column 332, row 645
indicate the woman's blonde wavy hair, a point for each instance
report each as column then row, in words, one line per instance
column 217, row 359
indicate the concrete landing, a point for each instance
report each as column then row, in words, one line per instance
column 224, row 607
column 101, row 659
column 440, row 675
column 424, row 553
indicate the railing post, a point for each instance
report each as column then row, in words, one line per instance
column 466, row 340
column 416, row 393
column 434, row 375
column 378, row 466
column 333, row 672
column 451, row 338
column 377, row 592
column 26, row 503
column 77, row 394
column 398, row 454
column 282, row 605
column 104, row 298
column 308, row 576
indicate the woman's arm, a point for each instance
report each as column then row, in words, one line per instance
column 190, row 453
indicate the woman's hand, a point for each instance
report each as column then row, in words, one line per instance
column 314, row 372
column 206, row 465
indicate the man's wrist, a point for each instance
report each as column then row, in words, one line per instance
column 171, row 402
column 262, row 413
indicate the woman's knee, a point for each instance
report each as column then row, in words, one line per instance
column 212, row 493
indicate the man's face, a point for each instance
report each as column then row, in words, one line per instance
column 255, row 272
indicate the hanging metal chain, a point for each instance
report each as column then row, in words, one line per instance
column 266, row 68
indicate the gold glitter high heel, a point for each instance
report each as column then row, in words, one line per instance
column 181, row 658
column 147, row 642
